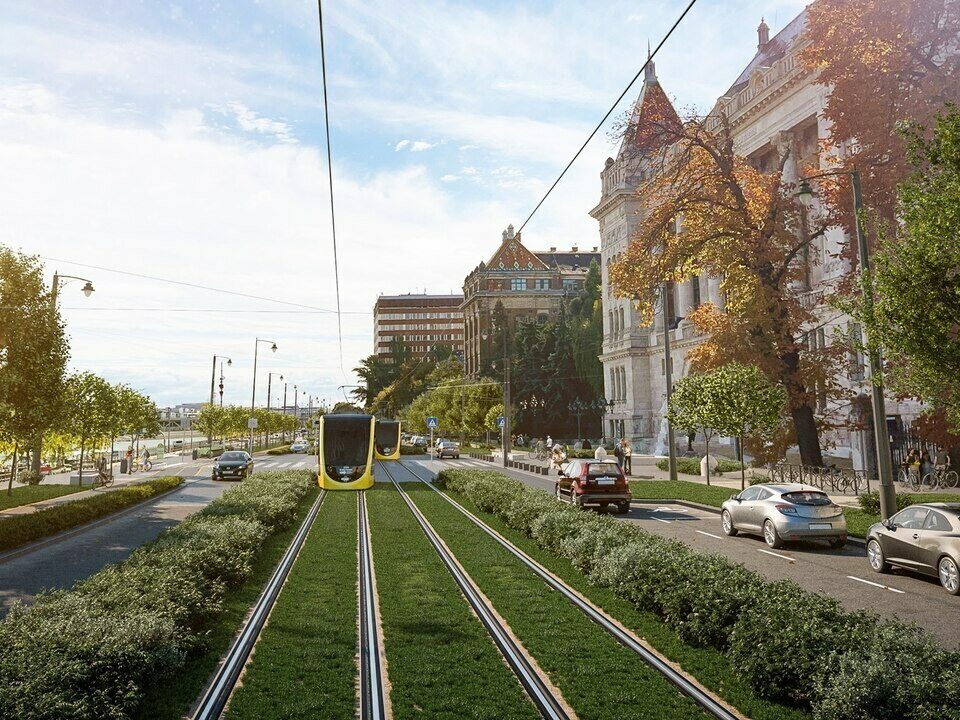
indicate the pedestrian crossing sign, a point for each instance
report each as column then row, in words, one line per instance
column 433, row 423
column 500, row 422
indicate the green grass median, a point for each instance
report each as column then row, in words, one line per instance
column 21, row 529
column 597, row 676
column 442, row 662
column 304, row 662
column 27, row 494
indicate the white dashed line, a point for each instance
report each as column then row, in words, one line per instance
column 882, row 587
column 782, row 557
column 668, row 522
column 709, row 534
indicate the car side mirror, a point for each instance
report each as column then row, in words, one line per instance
column 889, row 524
column 737, row 498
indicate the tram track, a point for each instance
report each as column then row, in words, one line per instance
column 702, row 697
column 218, row 693
column 541, row 694
column 374, row 701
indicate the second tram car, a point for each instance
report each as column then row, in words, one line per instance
column 386, row 443
column 346, row 452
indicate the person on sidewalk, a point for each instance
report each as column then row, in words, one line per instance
column 627, row 456
column 618, row 452
column 600, row 453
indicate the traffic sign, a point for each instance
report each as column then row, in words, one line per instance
column 500, row 422
column 252, row 423
column 433, row 423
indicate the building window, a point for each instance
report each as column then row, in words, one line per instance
column 571, row 284
column 518, row 284
column 542, row 283
column 695, row 282
column 541, row 319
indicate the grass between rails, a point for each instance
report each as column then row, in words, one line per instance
column 708, row 666
column 304, row 662
column 20, row 529
column 27, row 494
column 172, row 701
column 858, row 521
column 442, row 662
column 598, row 677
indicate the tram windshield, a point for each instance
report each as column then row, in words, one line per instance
column 346, row 440
column 386, row 436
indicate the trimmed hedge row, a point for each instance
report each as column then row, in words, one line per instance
column 790, row 645
column 691, row 466
column 20, row 529
column 89, row 652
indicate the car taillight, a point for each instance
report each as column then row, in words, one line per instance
column 786, row 509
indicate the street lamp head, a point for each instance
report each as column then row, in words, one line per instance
column 88, row 288
column 804, row 191
column 273, row 347
column 281, row 377
column 229, row 362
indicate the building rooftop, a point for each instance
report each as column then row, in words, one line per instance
column 769, row 51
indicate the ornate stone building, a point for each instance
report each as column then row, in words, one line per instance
column 774, row 105
column 530, row 285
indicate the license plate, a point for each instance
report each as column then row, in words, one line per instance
column 605, row 481
column 821, row 526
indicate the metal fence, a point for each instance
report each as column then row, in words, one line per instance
column 836, row 481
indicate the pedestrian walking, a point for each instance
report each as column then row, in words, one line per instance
column 926, row 464
column 627, row 457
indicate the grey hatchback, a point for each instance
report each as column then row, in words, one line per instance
column 924, row 538
column 785, row 512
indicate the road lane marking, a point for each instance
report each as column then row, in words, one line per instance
column 670, row 510
column 300, row 464
column 668, row 522
column 702, row 532
column 782, row 557
column 884, row 587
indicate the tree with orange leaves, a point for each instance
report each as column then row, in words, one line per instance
column 710, row 211
column 885, row 62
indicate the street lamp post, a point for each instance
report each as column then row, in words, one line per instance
column 888, row 495
column 669, row 324
column 213, row 373
column 253, row 395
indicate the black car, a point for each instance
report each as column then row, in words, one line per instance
column 232, row 464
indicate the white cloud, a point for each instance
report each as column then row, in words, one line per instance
column 401, row 145
column 249, row 121
column 413, row 145
column 449, row 178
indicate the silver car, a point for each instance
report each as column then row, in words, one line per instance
column 783, row 512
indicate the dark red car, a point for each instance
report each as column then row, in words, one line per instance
column 593, row 482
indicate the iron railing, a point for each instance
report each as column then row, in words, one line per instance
column 833, row 480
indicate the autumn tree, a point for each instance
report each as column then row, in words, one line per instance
column 710, row 211
column 885, row 62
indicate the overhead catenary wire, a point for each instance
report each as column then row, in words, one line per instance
column 333, row 217
column 613, row 107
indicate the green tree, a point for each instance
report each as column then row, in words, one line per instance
column 493, row 414
column 916, row 315
column 33, row 353
column 739, row 401
column 690, row 406
column 586, row 330
column 92, row 404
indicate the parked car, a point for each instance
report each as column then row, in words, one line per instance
column 299, row 446
column 593, row 482
column 783, row 512
column 419, row 441
column 449, row 449
column 233, row 464
column 923, row 538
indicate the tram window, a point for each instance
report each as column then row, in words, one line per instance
column 386, row 436
column 346, row 440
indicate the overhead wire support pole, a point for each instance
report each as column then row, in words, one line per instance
column 333, row 220
column 613, row 107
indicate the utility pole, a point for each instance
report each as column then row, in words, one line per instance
column 506, row 398
column 888, row 494
column 668, row 373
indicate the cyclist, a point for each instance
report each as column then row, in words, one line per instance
column 557, row 457
column 101, row 466
column 944, row 461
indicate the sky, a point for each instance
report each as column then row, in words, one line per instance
column 185, row 142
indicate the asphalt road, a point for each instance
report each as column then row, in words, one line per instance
column 843, row 574
column 80, row 554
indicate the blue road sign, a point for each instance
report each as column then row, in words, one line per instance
column 500, row 422
column 433, row 423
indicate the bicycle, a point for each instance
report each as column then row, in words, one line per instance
column 910, row 478
column 542, row 454
column 141, row 466
column 941, row 478
column 104, row 479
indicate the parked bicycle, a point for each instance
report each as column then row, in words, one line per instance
column 940, row 478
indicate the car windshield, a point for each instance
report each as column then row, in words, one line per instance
column 449, row 444
column 806, row 497
column 233, row 456
column 597, row 469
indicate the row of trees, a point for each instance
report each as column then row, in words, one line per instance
column 462, row 406
column 711, row 210
column 231, row 421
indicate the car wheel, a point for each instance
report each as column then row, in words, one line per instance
column 624, row 508
column 837, row 543
column 727, row 522
column 771, row 535
column 949, row 575
column 875, row 557
column 604, row 507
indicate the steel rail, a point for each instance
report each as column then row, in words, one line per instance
column 704, row 699
column 373, row 702
column 218, row 693
column 541, row 695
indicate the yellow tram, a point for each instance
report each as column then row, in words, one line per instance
column 386, row 444
column 346, row 452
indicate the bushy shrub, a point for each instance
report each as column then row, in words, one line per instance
column 88, row 653
column 870, row 502
column 789, row 644
column 724, row 465
column 685, row 465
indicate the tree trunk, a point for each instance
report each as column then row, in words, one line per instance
column 708, row 458
column 13, row 469
column 808, row 440
column 36, row 453
column 743, row 466
column 82, row 441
